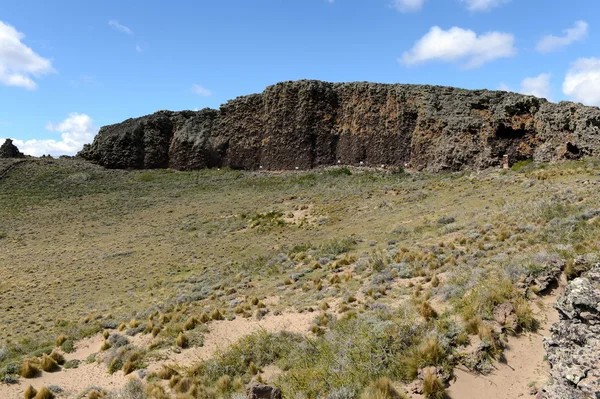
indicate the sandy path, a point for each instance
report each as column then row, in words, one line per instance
column 524, row 365
column 221, row 334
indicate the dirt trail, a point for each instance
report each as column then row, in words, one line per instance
column 524, row 367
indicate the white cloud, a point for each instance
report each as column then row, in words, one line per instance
column 538, row 86
column 457, row 45
column 19, row 64
column 76, row 131
column 138, row 48
column 408, row 5
column 201, row 90
column 582, row 82
column 552, row 43
column 483, row 5
column 121, row 28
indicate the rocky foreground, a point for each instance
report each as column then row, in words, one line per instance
column 305, row 124
column 574, row 347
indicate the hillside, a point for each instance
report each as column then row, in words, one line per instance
column 349, row 275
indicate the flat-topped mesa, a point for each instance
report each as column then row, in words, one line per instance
column 305, row 124
column 9, row 150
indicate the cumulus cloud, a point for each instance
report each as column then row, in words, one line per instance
column 538, row 86
column 75, row 131
column 483, row 5
column 460, row 45
column 121, row 28
column 201, row 90
column 582, row 82
column 552, row 43
column 408, row 5
column 19, row 64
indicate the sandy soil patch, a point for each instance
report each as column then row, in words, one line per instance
column 524, row 366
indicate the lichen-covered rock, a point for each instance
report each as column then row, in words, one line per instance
column 259, row 391
column 305, row 124
column 9, row 150
column 574, row 346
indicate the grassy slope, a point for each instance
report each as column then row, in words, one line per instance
column 82, row 245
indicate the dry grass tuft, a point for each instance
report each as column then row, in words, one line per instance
column 58, row 357
column 190, row 324
column 223, row 384
column 433, row 387
column 166, row 372
column 61, row 339
column 30, row 392
column 48, row 364
column 427, row 311
column 44, row 393
column 28, row 369
column 182, row 341
column 382, row 388
column 184, row 385
column 216, row 314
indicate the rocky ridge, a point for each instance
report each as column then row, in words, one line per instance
column 574, row 346
column 306, row 124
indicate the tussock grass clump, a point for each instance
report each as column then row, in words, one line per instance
column 30, row 392
column 96, row 394
column 429, row 353
column 29, row 369
column 216, row 315
column 61, row 339
column 44, row 393
column 105, row 346
column 58, row 357
column 156, row 391
column 174, row 381
column 223, row 385
column 190, row 323
column 182, row 340
column 184, row 385
column 427, row 311
column 48, row 364
column 382, row 388
column 166, row 372
column 204, row 317
column 433, row 387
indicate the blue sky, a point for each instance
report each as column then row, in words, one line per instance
column 68, row 67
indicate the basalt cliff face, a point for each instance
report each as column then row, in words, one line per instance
column 305, row 124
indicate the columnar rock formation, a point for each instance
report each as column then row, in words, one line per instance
column 9, row 150
column 305, row 124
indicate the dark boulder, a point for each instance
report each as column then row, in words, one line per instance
column 259, row 391
column 9, row 150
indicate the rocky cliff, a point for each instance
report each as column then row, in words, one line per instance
column 305, row 124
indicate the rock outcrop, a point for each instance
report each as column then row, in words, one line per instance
column 305, row 124
column 260, row 391
column 9, row 150
column 574, row 346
